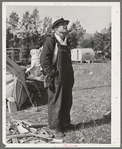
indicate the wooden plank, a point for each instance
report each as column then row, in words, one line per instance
column 42, row 136
column 24, row 121
column 22, row 129
column 38, row 125
column 8, row 140
column 26, row 140
column 33, row 141
column 14, row 140
column 18, row 136
column 28, row 134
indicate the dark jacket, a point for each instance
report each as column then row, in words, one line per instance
column 47, row 55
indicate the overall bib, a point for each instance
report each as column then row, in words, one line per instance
column 60, row 96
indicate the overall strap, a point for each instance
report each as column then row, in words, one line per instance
column 55, row 53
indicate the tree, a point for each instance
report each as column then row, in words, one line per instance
column 47, row 23
column 76, row 34
column 35, row 20
column 9, row 38
column 13, row 22
column 87, row 43
column 102, row 43
column 107, row 48
column 11, row 28
column 29, row 33
column 26, row 20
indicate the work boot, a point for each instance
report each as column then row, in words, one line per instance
column 57, row 133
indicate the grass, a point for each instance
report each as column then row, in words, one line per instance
column 91, row 100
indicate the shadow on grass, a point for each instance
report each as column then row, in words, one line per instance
column 96, row 87
column 97, row 122
column 79, row 88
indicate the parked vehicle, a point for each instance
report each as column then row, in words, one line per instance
column 82, row 54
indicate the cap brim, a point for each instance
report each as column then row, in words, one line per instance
column 67, row 21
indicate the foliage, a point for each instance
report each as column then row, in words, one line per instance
column 102, row 43
column 13, row 20
column 47, row 23
column 9, row 37
column 30, row 33
column 87, row 43
column 76, row 33
column 11, row 28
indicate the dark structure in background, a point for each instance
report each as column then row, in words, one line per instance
column 18, row 55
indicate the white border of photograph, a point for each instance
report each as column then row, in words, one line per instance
column 115, row 71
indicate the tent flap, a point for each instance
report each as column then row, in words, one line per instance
column 21, row 93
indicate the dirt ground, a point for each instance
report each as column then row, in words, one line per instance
column 91, row 100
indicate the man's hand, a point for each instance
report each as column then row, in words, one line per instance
column 48, row 82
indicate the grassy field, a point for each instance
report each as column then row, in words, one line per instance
column 91, row 100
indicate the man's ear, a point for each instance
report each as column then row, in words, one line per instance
column 55, row 29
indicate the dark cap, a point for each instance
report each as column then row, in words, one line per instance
column 57, row 20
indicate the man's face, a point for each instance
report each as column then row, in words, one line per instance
column 61, row 27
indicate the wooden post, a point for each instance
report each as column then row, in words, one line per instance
column 14, row 140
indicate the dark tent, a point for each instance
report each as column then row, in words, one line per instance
column 26, row 89
column 21, row 93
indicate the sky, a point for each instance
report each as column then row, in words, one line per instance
column 92, row 18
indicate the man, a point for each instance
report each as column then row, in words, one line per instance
column 60, row 77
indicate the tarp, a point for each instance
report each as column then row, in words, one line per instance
column 9, row 84
column 20, row 93
column 35, row 62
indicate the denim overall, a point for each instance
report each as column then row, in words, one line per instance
column 60, row 96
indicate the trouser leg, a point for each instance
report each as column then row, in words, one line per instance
column 60, row 100
column 66, row 107
column 54, row 107
column 67, row 98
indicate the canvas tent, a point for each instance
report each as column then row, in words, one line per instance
column 82, row 54
column 16, row 85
